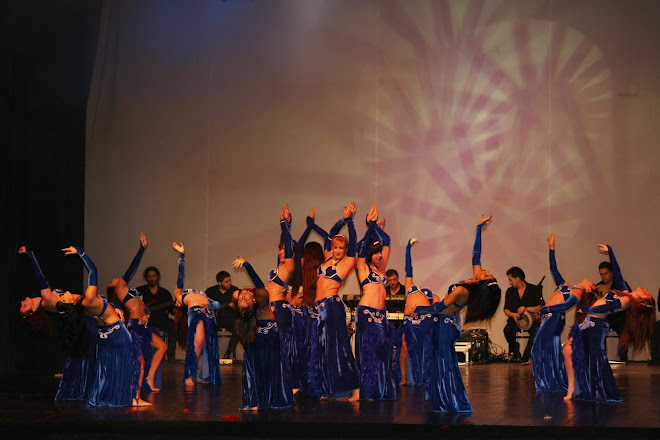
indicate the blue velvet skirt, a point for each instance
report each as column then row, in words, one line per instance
column 374, row 346
column 117, row 368
column 593, row 376
column 210, row 368
column 332, row 366
column 78, row 374
column 417, row 332
column 142, row 335
column 264, row 382
column 284, row 316
column 444, row 387
column 547, row 357
column 302, row 330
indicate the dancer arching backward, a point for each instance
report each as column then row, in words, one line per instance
column 145, row 338
column 481, row 289
column 265, row 380
column 200, row 336
column 593, row 376
column 374, row 335
column 547, row 357
column 332, row 367
column 80, row 366
column 415, row 332
column 116, row 381
column 302, row 300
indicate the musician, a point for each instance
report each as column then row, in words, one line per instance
column 160, row 303
column 225, row 316
column 521, row 297
column 616, row 321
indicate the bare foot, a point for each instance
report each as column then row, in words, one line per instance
column 356, row 396
column 569, row 395
column 295, row 391
column 189, row 382
column 254, row 408
column 140, row 402
column 152, row 385
column 403, row 382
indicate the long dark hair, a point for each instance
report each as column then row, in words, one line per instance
column 37, row 323
column 586, row 300
column 297, row 276
column 181, row 325
column 73, row 331
column 640, row 321
column 483, row 300
column 245, row 325
column 313, row 259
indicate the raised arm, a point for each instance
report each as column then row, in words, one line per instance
column 363, row 270
column 617, row 278
column 285, row 226
column 91, row 301
column 303, row 238
column 136, row 261
column 559, row 280
column 385, row 241
column 47, row 294
column 476, row 248
column 241, row 262
column 576, row 293
column 181, row 273
column 408, row 263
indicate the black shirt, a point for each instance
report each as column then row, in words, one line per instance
column 160, row 305
column 225, row 315
column 532, row 297
column 401, row 291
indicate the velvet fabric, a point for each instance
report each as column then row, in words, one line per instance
column 374, row 348
column 302, row 330
column 284, row 312
column 210, row 369
column 547, row 356
column 416, row 331
column 444, row 388
column 264, row 383
column 593, row 376
column 78, row 374
column 332, row 366
column 116, row 368
column 142, row 337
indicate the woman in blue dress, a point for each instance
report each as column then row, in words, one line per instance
column 593, row 378
column 200, row 336
column 547, row 357
column 374, row 336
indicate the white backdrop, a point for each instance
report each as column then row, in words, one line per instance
column 205, row 117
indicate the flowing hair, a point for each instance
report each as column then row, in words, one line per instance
column 246, row 321
column 73, row 332
column 296, row 277
column 313, row 259
column 37, row 323
column 640, row 321
column 483, row 300
column 586, row 300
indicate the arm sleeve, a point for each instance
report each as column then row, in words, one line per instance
column 409, row 267
column 92, row 280
column 476, row 248
column 435, row 308
column 364, row 247
column 304, row 236
column 43, row 282
column 333, row 231
column 134, row 264
column 382, row 236
column 617, row 277
column 286, row 238
column 351, row 251
column 256, row 281
column 570, row 302
column 609, row 307
column 559, row 280
column 182, row 271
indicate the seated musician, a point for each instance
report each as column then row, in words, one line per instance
column 521, row 297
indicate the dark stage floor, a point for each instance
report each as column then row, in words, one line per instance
column 502, row 395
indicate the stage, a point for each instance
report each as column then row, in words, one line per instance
column 502, row 395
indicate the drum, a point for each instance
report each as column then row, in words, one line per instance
column 527, row 319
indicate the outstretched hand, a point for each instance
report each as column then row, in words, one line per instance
column 178, row 247
column 412, row 241
column 143, row 239
column 238, row 262
column 551, row 241
column 312, row 213
column 373, row 214
column 22, row 250
column 483, row 219
column 350, row 210
column 381, row 224
column 285, row 214
column 70, row 250
column 602, row 248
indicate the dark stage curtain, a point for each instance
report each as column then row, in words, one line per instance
column 48, row 50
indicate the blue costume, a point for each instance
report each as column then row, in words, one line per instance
column 78, row 373
column 374, row 341
column 210, row 368
column 547, row 357
column 593, row 375
column 332, row 367
column 266, row 378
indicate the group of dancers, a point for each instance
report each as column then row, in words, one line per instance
column 294, row 330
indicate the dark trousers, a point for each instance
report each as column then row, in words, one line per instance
column 510, row 331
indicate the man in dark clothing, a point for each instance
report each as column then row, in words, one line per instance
column 521, row 297
column 226, row 315
column 617, row 321
column 160, row 303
